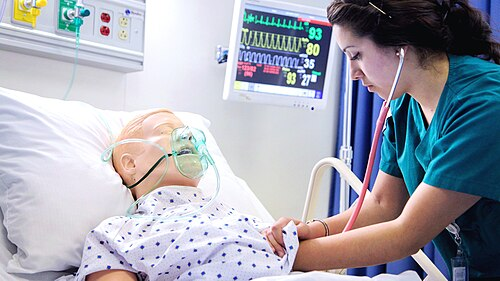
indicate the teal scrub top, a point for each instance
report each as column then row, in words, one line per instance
column 459, row 150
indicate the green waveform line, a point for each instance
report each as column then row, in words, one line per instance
column 274, row 21
column 317, row 73
column 272, row 41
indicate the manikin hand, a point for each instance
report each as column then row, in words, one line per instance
column 274, row 234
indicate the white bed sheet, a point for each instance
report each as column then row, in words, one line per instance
column 326, row 276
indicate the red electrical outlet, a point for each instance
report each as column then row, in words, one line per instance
column 105, row 17
column 105, row 30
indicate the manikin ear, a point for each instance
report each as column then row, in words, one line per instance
column 127, row 165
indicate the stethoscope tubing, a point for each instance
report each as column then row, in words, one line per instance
column 373, row 150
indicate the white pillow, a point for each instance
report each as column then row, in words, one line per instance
column 53, row 186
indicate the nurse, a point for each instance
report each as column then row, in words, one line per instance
column 440, row 155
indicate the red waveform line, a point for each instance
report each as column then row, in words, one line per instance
column 318, row 22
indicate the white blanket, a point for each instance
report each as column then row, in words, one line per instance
column 218, row 243
column 325, row 276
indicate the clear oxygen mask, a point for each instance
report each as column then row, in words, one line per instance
column 190, row 152
column 190, row 156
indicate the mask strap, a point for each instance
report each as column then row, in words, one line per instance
column 149, row 172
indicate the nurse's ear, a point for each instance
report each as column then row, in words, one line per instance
column 398, row 50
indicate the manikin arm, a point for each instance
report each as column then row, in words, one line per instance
column 112, row 275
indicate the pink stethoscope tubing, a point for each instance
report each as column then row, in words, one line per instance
column 373, row 150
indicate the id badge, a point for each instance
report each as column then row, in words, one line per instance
column 459, row 267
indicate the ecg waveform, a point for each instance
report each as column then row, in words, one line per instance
column 276, row 22
column 268, row 59
column 272, row 41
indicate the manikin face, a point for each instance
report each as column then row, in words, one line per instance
column 158, row 128
column 374, row 66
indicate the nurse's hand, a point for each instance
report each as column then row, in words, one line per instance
column 274, row 234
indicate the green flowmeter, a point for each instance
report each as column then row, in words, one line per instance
column 70, row 15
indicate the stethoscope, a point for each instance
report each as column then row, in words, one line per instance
column 373, row 150
column 453, row 228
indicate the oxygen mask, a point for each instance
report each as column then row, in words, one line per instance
column 190, row 152
column 190, row 155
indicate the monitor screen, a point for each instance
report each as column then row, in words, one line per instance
column 281, row 54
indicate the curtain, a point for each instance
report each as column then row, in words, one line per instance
column 365, row 110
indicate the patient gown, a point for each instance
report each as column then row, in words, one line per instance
column 218, row 243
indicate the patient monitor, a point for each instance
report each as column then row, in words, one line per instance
column 280, row 54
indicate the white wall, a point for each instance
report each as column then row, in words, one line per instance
column 272, row 148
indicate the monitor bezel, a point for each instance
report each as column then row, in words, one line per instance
column 229, row 93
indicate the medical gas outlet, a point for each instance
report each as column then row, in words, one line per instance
column 71, row 15
column 26, row 11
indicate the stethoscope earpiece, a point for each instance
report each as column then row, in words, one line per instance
column 400, row 52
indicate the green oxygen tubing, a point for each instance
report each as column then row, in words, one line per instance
column 78, row 13
column 192, row 150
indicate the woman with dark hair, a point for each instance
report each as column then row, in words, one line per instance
column 440, row 153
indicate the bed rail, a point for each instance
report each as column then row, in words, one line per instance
column 425, row 263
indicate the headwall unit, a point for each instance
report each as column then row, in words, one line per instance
column 100, row 33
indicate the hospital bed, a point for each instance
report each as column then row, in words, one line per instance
column 54, row 188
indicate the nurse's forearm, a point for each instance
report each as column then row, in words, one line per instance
column 365, row 246
column 372, row 212
column 385, row 203
column 425, row 215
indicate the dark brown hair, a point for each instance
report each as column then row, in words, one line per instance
column 430, row 26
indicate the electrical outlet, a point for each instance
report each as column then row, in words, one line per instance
column 105, row 30
column 123, row 21
column 105, row 17
column 123, row 34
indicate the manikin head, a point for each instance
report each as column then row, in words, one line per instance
column 133, row 160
